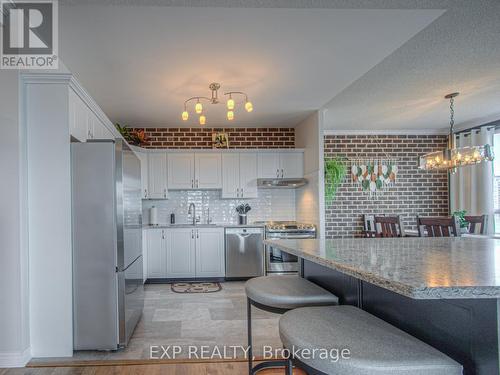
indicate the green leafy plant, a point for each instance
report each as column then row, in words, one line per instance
column 132, row 136
column 335, row 172
column 461, row 218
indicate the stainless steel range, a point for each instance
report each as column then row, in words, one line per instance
column 277, row 261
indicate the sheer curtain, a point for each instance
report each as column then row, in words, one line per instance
column 471, row 187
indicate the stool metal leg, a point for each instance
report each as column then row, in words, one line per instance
column 289, row 367
column 249, row 333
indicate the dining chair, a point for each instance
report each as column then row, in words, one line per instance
column 438, row 226
column 473, row 221
column 369, row 229
column 390, row 226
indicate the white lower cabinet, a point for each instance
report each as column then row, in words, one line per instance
column 157, row 253
column 210, row 260
column 179, row 253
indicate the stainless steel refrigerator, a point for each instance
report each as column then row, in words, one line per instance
column 107, row 244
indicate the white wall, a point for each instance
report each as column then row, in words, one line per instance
column 310, row 198
column 14, row 318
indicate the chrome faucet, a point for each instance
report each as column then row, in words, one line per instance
column 192, row 211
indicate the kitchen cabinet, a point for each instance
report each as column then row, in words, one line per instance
column 83, row 122
column 239, row 175
column 210, row 261
column 208, row 172
column 281, row 165
column 157, row 175
column 181, row 253
column 143, row 157
column 188, row 171
column 77, row 117
column 157, row 253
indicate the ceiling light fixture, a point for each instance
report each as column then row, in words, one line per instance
column 454, row 157
column 214, row 99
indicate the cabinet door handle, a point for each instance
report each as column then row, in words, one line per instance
column 277, row 172
column 238, row 192
column 164, row 193
column 145, row 193
column 89, row 134
column 197, row 184
column 163, row 234
column 192, row 233
column 281, row 172
column 197, row 234
column 192, row 184
column 241, row 190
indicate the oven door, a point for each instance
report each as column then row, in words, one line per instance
column 278, row 261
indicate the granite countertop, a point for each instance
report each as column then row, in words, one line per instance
column 221, row 225
column 419, row 268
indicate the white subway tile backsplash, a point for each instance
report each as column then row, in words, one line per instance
column 271, row 204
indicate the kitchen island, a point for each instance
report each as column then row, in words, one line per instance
column 442, row 290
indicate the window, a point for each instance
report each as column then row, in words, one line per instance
column 496, row 188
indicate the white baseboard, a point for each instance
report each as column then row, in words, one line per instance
column 15, row 359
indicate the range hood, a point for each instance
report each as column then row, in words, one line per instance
column 281, row 183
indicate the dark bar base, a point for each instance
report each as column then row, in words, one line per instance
column 464, row 329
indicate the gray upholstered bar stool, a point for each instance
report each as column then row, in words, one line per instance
column 279, row 294
column 375, row 346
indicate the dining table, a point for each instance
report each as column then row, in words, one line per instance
column 443, row 290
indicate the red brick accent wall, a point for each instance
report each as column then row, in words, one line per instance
column 416, row 192
column 200, row 137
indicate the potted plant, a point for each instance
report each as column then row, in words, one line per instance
column 335, row 172
column 136, row 137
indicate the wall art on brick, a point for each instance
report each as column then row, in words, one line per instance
column 201, row 137
column 416, row 192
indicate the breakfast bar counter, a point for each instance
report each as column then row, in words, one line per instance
column 443, row 291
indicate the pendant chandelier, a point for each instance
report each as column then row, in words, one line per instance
column 454, row 157
column 214, row 99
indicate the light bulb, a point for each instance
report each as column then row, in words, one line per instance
column 198, row 108
column 185, row 115
column 249, row 106
column 230, row 104
column 230, row 115
column 203, row 120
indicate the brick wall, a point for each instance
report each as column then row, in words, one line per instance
column 179, row 138
column 415, row 193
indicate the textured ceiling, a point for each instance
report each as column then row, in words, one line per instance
column 460, row 51
column 141, row 62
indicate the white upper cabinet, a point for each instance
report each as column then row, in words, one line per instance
column 248, row 175
column 157, row 175
column 281, row 164
column 292, row 164
column 181, row 171
column 210, row 260
column 143, row 157
column 208, row 172
column 181, row 253
column 83, row 122
column 230, row 175
column 269, row 165
column 239, row 175
column 78, row 122
column 194, row 171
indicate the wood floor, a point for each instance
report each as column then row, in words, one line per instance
column 223, row 368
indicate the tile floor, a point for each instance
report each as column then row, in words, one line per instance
column 211, row 319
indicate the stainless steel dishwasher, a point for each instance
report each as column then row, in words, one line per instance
column 244, row 252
